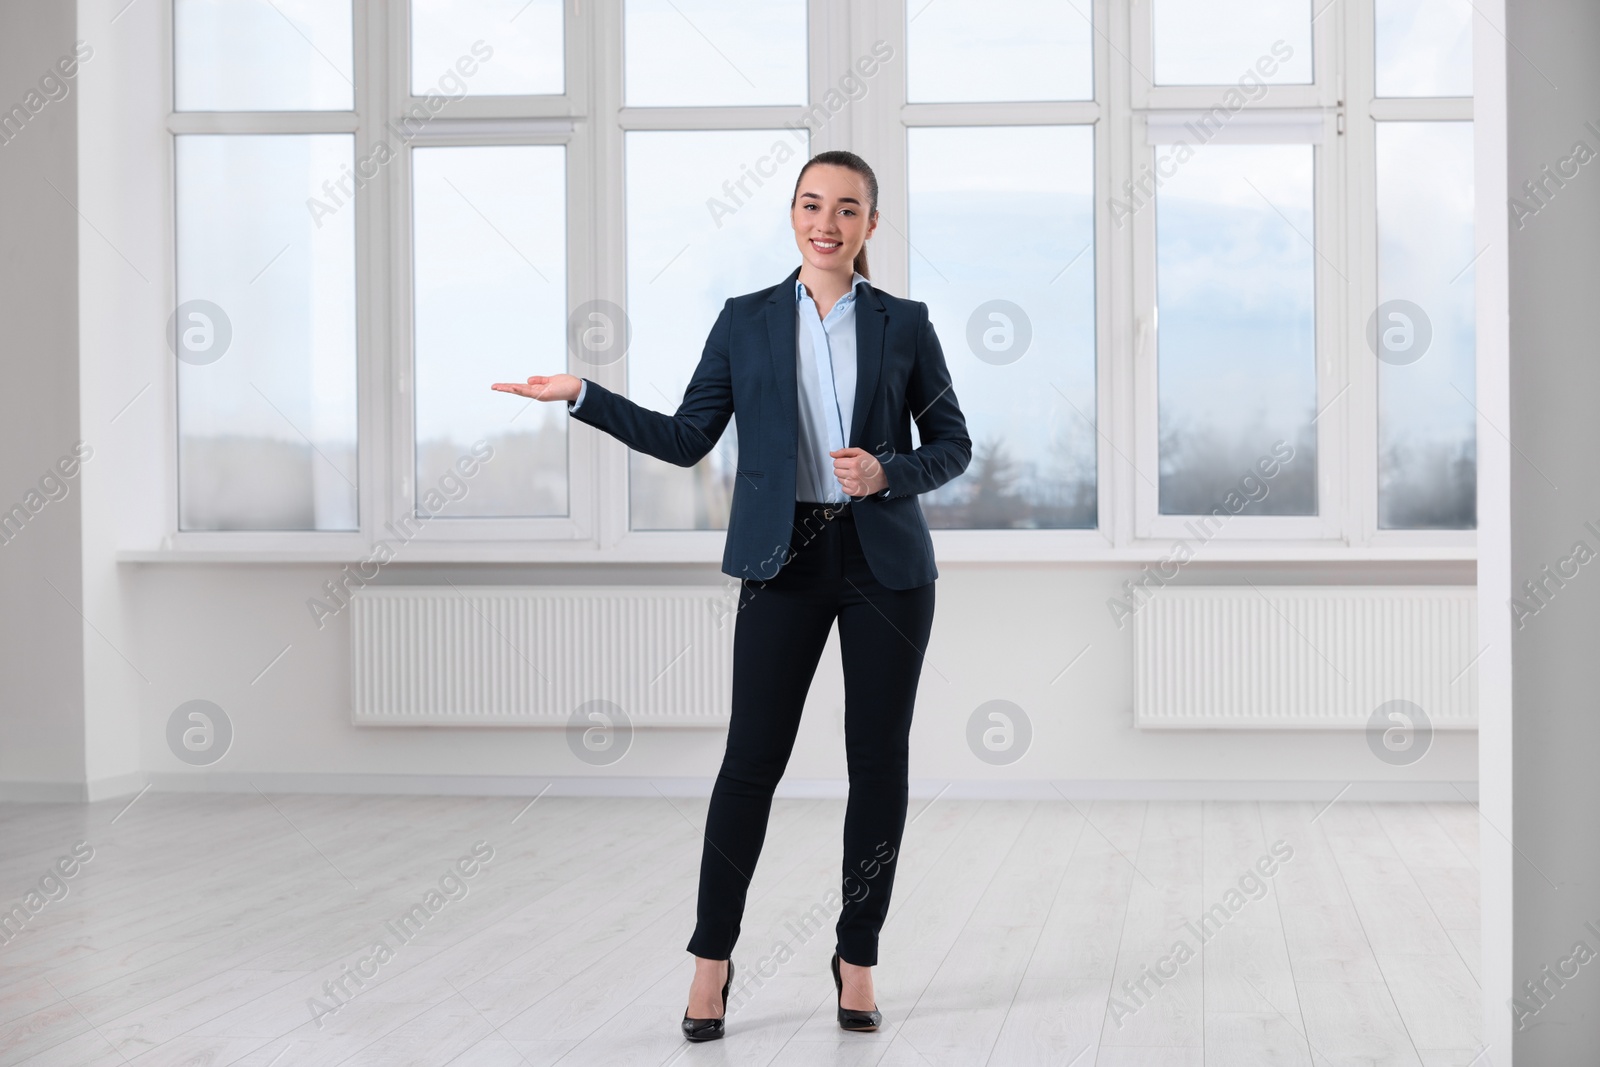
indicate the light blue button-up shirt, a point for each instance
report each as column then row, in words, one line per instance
column 825, row 374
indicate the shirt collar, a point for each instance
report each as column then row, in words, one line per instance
column 856, row 280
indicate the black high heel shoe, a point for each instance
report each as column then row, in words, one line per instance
column 850, row 1018
column 709, row 1029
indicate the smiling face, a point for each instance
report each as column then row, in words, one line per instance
column 831, row 217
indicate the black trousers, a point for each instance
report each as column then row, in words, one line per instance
column 779, row 633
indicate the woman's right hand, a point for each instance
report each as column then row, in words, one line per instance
column 544, row 387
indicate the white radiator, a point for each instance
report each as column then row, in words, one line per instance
column 496, row 656
column 1304, row 656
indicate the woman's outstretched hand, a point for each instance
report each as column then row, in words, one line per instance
column 544, row 387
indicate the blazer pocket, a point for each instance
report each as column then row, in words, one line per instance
column 749, row 474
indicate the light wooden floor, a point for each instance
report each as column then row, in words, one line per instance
column 203, row 925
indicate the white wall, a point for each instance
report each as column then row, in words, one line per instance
column 41, row 587
column 176, row 632
column 1553, row 102
column 126, row 293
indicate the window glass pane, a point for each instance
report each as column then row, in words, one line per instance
column 487, row 47
column 265, row 333
column 999, row 50
column 1232, row 42
column 1423, row 329
column 687, row 53
column 262, row 55
column 1002, row 233
column 1236, row 352
column 1424, row 47
column 491, row 306
column 684, row 262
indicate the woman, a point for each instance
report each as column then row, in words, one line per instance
column 825, row 374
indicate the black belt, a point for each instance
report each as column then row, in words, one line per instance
column 824, row 509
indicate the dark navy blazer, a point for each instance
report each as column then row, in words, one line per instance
column 748, row 371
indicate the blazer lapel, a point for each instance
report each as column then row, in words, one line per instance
column 872, row 321
column 780, row 339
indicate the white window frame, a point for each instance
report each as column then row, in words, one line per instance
column 1324, row 91
column 1366, row 109
column 827, row 42
column 1277, row 118
column 283, row 544
column 553, row 119
column 1329, row 343
column 881, row 138
column 597, row 530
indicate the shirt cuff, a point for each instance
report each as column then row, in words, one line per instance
column 572, row 405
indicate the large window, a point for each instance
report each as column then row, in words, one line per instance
column 1236, row 346
column 1002, row 220
column 683, row 262
column 713, row 53
column 524, row 38
column 264, row 330
column 1223, row 269
column 1209, row 42
column 489, row 282
column 1421, row 328
column 263, row 55
column 706, row 194
column 980, row 50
